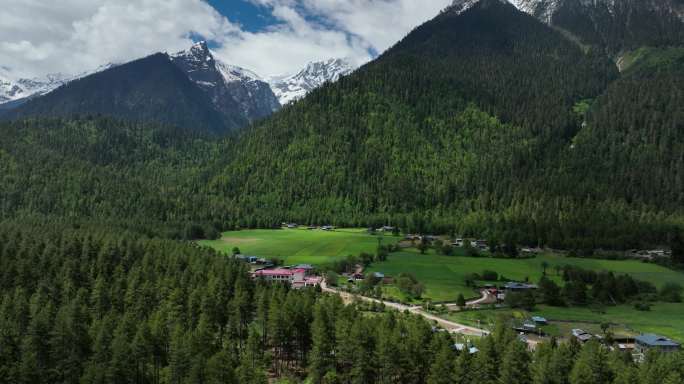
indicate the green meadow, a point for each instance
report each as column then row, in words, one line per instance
column 300, row 246
column 444, row 276
column 663, row 318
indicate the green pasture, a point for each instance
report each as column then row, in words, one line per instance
column 663, row 318
column 300, row 246
column 444, row 276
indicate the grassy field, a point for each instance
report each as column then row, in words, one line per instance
column 664, row 318
column 444, row 276
column 300, row 246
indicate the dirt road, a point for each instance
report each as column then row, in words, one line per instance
column 450, row 326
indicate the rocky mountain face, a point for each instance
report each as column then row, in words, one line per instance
column 231, row 89
column 295, row 86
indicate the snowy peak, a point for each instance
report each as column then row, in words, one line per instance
column 197, row 58
column 460, row 6
column 293, row 87
column 231, row 89
column 23, row 88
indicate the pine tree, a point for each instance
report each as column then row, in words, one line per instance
column 220, row 369
column 320, row 358
column 486, row 362
column 591, row 366
column 515, row 364
column 443, row 366
column 462, row 373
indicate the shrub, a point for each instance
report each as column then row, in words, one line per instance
column 671, row 292
column 490, row 275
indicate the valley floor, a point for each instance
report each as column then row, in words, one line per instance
column 444, row 277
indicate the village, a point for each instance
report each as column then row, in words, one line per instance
column 532, row 329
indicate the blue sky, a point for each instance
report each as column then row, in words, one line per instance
column 251, row 17
column 269, row 37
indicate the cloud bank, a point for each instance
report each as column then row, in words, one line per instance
column 70, row 36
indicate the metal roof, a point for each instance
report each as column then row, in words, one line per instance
column 656, row 340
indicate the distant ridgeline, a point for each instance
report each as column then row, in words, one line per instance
column 486, row 122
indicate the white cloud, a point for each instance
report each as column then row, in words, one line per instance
column 70, row 36
column 44, row 36
column 321, row 29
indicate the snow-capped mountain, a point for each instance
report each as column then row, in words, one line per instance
column 14, row 90
column 11, row 90
column 229, row 87
column 295, row 86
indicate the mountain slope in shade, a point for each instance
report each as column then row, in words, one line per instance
column 148, row 89
column 194, row 91
column 232, row 90
column 293, row 87
column 615, row 25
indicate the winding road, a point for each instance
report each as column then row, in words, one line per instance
column 450, row 326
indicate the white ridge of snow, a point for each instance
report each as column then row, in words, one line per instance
column 289, row 88
column 14, row 89
column 233, row 73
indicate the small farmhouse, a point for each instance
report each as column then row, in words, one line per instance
column 647, row 342
column 582, row 336
column 518, row 287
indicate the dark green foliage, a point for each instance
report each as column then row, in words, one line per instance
column 461, row 301
column 524, row 299
column 409, row 285
column 671, row 292
column 147, row 177
column 621, row 25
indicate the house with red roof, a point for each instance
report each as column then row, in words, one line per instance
column 297, row 277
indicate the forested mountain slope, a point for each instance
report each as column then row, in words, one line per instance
column 485, row 123
column 462, row 137
column 103, row 170
column 615, row 26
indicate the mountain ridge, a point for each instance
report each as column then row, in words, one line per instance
column 289, row 88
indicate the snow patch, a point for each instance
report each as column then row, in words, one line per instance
column 289, row 88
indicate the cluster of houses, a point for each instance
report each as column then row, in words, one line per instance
column 427, row 238
column 295, row 226
column 649, row 255
column 254, row 260
column 298, row 276
column 358, row 276
column 531, row 326
column 639, row 345
column 511, row 286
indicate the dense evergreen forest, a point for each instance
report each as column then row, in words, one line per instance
column 488, row 123
column 99, row 305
